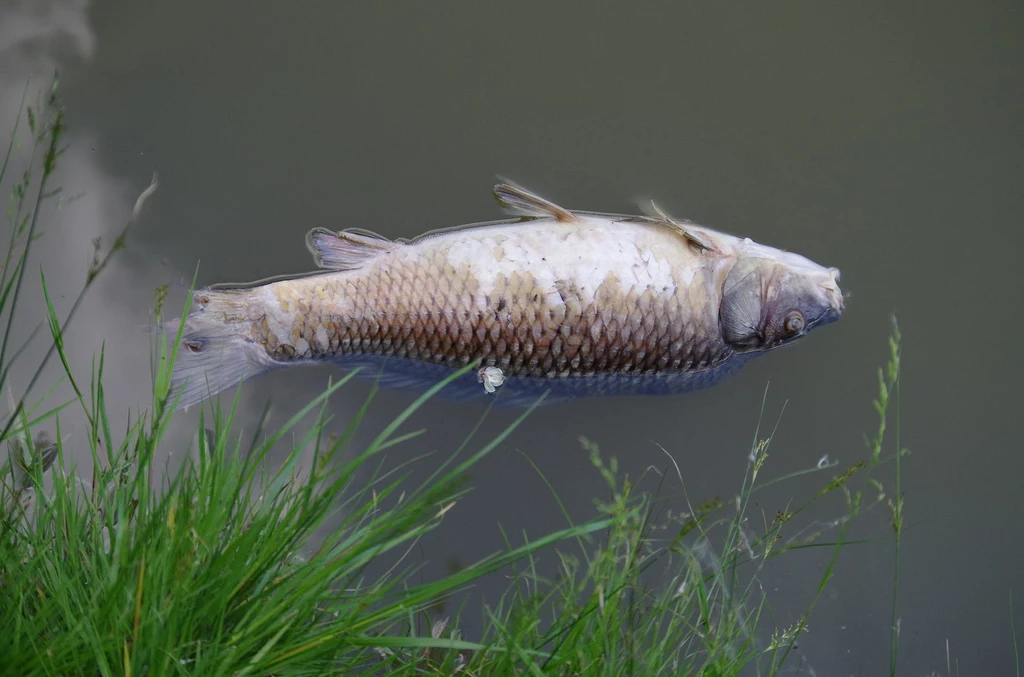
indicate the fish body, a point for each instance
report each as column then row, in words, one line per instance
column 564, row 302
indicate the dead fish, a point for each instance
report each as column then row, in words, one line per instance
column 556, row 301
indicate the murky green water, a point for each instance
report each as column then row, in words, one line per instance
column 886, row 141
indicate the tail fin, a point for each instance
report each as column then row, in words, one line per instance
column 216, row 351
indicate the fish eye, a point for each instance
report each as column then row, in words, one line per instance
column 794, row 322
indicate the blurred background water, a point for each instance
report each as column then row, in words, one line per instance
column 883, row 139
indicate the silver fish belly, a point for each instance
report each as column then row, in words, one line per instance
column 561, row 301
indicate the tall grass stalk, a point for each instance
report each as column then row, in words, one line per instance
column 895, row 506
column 217, row 568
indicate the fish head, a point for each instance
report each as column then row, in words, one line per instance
column 772, row 298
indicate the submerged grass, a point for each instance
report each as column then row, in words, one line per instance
column 216, row 568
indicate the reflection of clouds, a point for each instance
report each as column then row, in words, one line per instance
column 34, row 34
column 36, row 37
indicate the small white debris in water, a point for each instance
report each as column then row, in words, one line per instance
column 824, row 462
column 491, row 377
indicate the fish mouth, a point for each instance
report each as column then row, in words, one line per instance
column 828, row 317
column 836, row 299
column 835, row 310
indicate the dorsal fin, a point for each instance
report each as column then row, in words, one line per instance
column 522, row 201
column 656, row 213
column 348, row 249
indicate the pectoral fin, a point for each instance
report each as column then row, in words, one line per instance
column 656, row 213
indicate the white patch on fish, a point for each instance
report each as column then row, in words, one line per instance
column 583, row 251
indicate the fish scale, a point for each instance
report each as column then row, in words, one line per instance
column 517, row 326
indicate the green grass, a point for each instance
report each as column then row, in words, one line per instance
column 217, row 569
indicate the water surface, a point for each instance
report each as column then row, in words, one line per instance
column 883, row 140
